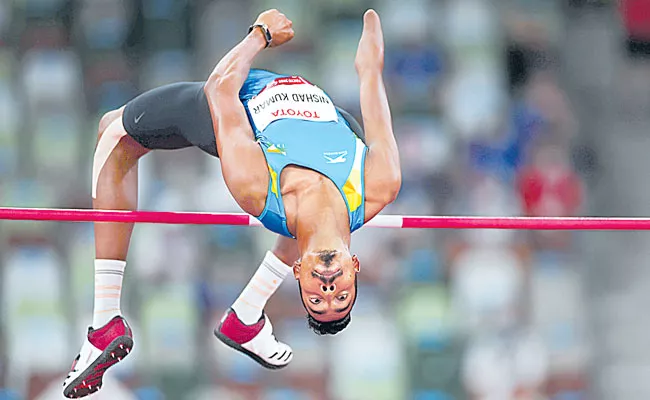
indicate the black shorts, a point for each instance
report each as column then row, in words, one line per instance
column 177, row 116
column 171, row 117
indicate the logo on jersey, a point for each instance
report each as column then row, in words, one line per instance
column 336, row 157
column 277, row 149
column 292, row 98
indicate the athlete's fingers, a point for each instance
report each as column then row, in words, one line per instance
column 279, row 26
column 371, row 22
column 370, row 15
column 370, row 54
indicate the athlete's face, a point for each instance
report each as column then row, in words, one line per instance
column 327, row 283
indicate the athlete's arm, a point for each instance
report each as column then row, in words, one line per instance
column 383, row 176
column 243, row 164
column 231, row 72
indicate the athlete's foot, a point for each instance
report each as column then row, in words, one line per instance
column 103, row 348
column 256, row 341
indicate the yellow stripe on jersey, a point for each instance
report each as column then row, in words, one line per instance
column 352, row 188
column 274, row 149
column 274, row 181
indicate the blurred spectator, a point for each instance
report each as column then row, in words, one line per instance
column 549, row 187
column 528, row 50
column 487, row 284
column 636, row 17
column 413, row 72
column 502, row 151
column 509, row 366
column 544, row 95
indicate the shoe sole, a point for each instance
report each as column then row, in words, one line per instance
column 91, row 379
column 238, row 347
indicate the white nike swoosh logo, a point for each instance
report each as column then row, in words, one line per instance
column 138, row 118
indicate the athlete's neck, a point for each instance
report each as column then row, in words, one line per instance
column 321, row 222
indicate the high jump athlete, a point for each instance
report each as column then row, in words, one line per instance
column 289, row 157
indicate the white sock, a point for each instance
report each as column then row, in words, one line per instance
column 108, row 290
column 260, row 288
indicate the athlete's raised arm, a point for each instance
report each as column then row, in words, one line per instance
column 242, row 162
column 383, row 175
column 231, row 72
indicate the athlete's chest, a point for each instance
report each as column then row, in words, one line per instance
column 298, row 183
column 290, row 98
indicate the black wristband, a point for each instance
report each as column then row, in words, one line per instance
column 265, row 31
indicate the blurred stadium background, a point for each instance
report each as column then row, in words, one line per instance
column 509, row 107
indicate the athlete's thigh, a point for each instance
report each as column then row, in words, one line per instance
column 171, row 117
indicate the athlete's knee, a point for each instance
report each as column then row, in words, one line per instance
column 107, row 119
column 115, row 150
column 114, row 143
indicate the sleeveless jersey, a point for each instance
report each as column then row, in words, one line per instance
column 296, row 123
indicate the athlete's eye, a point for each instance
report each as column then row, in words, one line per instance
column 342, row 297
column 314, row 300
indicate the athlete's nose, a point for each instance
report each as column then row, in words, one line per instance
column 328, row 288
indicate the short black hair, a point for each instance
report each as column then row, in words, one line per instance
column 326, row 257
column 330, row 327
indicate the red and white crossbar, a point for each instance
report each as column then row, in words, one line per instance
column 381, row 221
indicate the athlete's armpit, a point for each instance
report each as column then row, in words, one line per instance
column 383, row 180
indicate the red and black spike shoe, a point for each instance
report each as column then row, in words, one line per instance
column 256, row 341
column 103, row 348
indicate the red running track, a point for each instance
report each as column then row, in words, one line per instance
column 381, row 221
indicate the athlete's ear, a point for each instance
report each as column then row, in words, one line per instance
column 296, row 269
column 355, row 262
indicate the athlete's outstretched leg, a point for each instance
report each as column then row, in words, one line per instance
column 245, row 327
column 114, row 186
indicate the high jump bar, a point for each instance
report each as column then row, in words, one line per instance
column 380, row 221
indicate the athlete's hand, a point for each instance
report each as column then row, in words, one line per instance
column 279, row 26
column 370, row 54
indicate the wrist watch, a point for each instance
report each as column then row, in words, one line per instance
column 265, row 31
